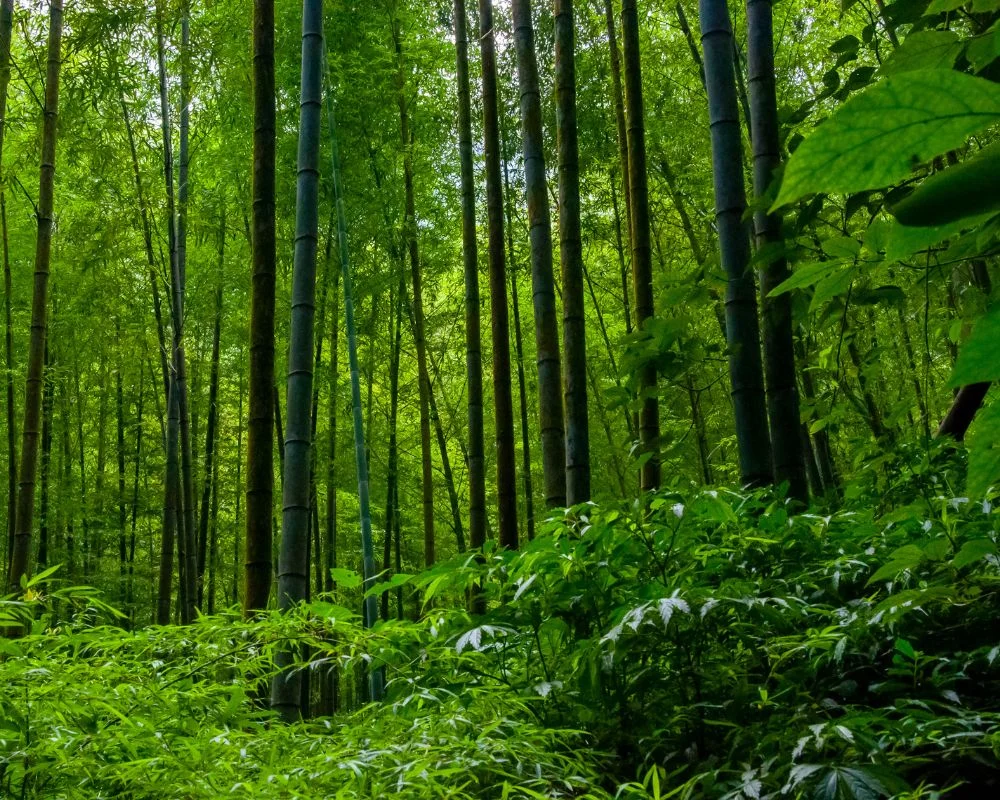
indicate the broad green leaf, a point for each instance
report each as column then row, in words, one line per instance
column 345, row 578
column 984, row 49
column 983, row 442
column 806, row 275
column 941, row 6
column 924, row 50
column 841, row 247
column 878, row 137
column 905, row 240
column 397, row 580
column 973, row 551
column 979, row 357
column 959, row 192
column 846, row 44
column 833, row 286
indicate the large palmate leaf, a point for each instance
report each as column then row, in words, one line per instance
column 878, row 137
column 977, row 359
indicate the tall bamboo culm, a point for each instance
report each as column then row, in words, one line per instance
column 293, row 561
column 20, row 557
column 742, row 328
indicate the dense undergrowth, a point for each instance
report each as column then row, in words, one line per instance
column 714, row 646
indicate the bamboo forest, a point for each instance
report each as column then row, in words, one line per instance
column 500, row 399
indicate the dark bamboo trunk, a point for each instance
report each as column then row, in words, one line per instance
column 503, row 405
column 776, row 312
column 571, row 259
column 293, row 561
column 642, row 257
column 260, row 424
column 6, row 28
column 470, row 259
column 48, row 398
column 550, row 402
column 742, row 329
column 20, row 559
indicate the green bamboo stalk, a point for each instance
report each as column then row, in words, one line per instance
column 375, row 677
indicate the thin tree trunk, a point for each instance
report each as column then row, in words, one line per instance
column 776, row 312
column 6, row 28
column 392, row 477
column 698, row 420
column 642, row 264
column 147, row 236
column 620, row 250
column 911, row 363
column 238, row 495
column 212, row 424
column 529, row 492
column 410, row 236
column 9, row 360
column 260, row 425
column 43, row 509
column 692, row 45
column 130, row 590
column 20, row 566
column 503, row 405
column 170, row 504
column 820, row 439
column 330, row 545
column 120, row 453
column 742, row 330
column 179, row 278
column 618, row 99
column 449, row 478
column 65, row 473
column 293, row 561
column 317, row 545
column 213, row 540
column 473, row 345
column 375, row 678
column 279, row 434
column 550, row 402
column 81, row 454
column 177, row 414
column 571, row 259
